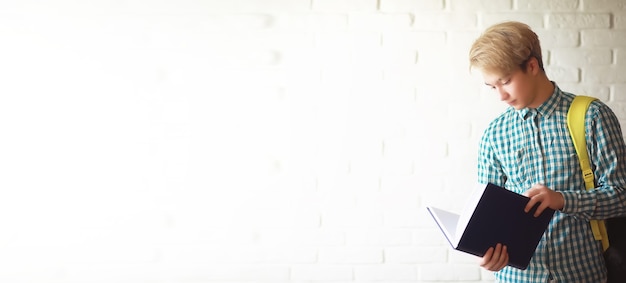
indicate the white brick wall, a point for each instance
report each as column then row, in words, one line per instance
column 258, row 140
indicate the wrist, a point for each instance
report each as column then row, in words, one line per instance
column 569, row 202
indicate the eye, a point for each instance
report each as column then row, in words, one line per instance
column 507, row 82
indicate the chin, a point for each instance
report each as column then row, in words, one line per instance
column 517, row 105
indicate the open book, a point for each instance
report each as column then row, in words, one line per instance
column 494, row 215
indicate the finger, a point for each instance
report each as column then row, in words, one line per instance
column 532, row 192
column 542, row 206
column 495, row 258
column 530, row 204
column 487, row 257
column 504, row 258
column 501, row 256
column 498, row 257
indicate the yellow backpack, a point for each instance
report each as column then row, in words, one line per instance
column 576, row 126
column 614, row 254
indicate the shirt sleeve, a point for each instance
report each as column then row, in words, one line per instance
column 605, row 144
column 489, row 168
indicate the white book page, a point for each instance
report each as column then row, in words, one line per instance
column 447, row 221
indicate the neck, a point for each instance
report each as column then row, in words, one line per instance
column 544, row 90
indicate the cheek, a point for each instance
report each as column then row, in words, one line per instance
column 515, row 89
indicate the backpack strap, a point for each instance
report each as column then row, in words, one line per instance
column 576, row 125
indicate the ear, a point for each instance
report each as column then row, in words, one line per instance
column 533, row 66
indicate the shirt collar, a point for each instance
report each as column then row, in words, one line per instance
column 547, row 108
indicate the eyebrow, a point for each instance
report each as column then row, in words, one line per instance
column 501, row 80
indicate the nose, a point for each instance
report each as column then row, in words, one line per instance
column 503, row 94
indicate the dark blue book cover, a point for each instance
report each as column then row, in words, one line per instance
column 495, row 215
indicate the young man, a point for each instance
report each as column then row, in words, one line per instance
column 528, row 150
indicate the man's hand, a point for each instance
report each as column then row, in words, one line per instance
column 545, row 197
column 495, row 258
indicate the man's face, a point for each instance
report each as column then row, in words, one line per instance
column 516, row 88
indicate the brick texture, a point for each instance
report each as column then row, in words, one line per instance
column 259, row 140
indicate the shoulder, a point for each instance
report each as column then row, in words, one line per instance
column 598, row 107
column 599, row 114
column 595, row 109
column 502, row 122
column 599, row 110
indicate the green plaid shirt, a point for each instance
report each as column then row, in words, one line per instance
column 524, row 147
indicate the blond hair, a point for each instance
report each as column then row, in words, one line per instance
column 505, row 47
